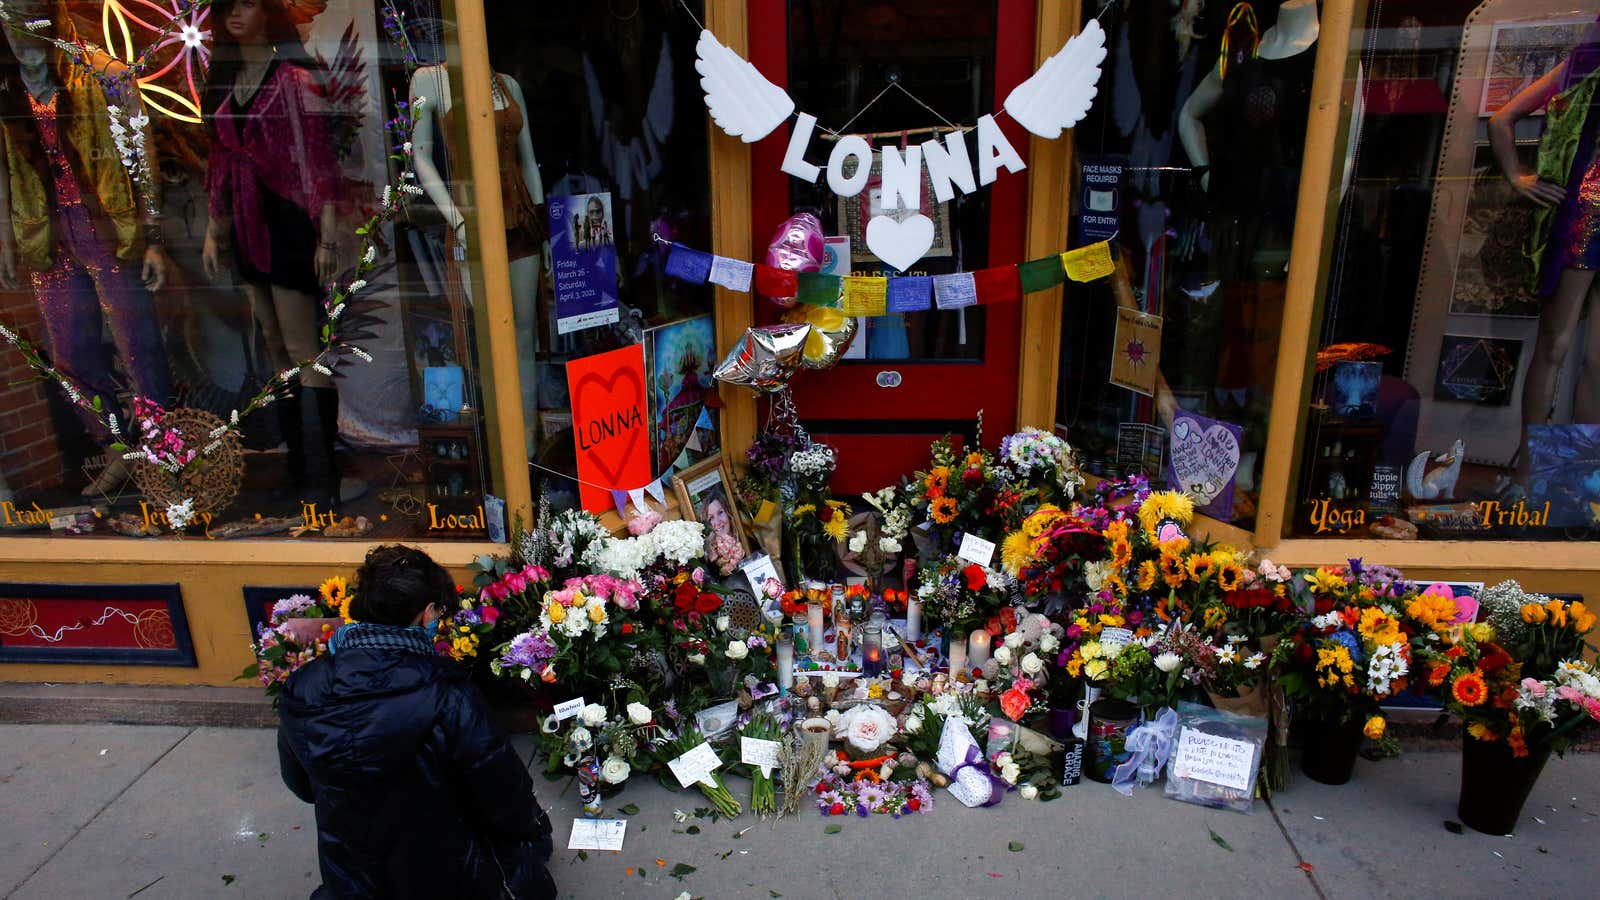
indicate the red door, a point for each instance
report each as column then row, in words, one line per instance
column 921, row 374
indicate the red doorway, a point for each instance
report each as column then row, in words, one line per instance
column 925, row 374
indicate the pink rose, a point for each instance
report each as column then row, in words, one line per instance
column 1533, row 686
column 490, row 615
column 516, row 582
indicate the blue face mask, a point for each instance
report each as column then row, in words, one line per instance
column 430, row 630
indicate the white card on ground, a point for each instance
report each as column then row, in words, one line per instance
column 975, row 549
column 1214, row 759
column 695, row 765
column 597, row 834
column 733, row 274
column 762, row 754
column 568, row 709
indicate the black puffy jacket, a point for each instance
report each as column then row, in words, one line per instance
column 418, row 791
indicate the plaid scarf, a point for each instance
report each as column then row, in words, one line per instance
column 372, row 636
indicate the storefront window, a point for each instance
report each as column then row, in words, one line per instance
column 177, row 200
column 618, row 132
column 1457, row 387
column 1189, row 163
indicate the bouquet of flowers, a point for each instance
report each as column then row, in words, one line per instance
column 1043, row 463
column 614, row 741
column 563, row 543
column 292, row 636
column 767, row 487
column 960, row 595
column 1053, row 550
column 961, row 492
column 1538, row 631
column 686, row 737
column 466, row 627
column 816, row 529
column 925, row 719
column 838, row 795
column 1152, row 673
column 514, row 590
column 762, row 726
column 586, row 633
column 1337, row 666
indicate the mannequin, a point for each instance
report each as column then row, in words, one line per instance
column 521, row 190
column 1566, row 245
column 272, row 179
column 1257, row 99
column 80, row 230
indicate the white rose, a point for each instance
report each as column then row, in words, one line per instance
column 698, row 659
column 830, row 681
column 833, row 716
column 889, row 545
column 592, row 715
column 1049, row 643
column 1169, row 661
column 858, row 542
column 1011, row 773
column 913, row 725
column 865, row 728
column 1032, row 664
column 981, row 686
column 722, row 623
column 1014, row 640
column 1028, row 791
column 1003, row 656
column 639, row 714
column 738, row 650
column 580, row 739
column 615, row 770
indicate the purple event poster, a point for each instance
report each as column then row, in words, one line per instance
column 583, row 258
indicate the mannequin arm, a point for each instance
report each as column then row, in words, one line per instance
column 1502, row 137
column 1191, row 131
column 430, row 86
column 525, row 160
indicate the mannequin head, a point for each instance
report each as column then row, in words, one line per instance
column 30, row 51
column 252, row 22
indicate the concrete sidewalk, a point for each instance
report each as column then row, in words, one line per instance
column 114, row 811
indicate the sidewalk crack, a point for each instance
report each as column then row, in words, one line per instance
column 98, row 813
column 1311, row 875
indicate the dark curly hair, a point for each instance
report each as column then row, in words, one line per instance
column 396, row 583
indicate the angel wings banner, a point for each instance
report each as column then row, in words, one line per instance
column 747, row 106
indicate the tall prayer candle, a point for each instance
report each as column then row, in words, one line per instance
column 913, row 618
column 871, row 651
column 814, row 624
column 958, row 658
column 978, row 648
column 785, row 661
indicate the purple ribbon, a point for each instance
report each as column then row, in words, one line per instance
column 997, row 785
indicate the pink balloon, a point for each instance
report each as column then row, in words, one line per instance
column 797, row 246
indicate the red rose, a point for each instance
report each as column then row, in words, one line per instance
column 836, row 810
column 683, row 597
column 707, row 603
column 1324, row 605
column 972, row 477
column 627, row 628
column 976, row 577
column 822, row 788
column 913, row 804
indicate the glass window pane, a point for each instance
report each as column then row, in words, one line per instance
column 1455, row 393
column 177, row 206
column 1190, row 162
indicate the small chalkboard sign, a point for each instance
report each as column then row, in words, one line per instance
column 1072, row 768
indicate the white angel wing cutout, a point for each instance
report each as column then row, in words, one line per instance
column 1058, row 96
column 742, row 101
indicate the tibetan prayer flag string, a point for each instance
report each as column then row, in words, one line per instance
column 865, row 295
column 688, row 264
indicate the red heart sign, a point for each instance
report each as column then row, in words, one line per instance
column 609, row 423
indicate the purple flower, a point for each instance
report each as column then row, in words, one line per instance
column 532, row 649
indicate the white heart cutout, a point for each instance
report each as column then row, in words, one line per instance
column 900, row 243
column 1204, row 460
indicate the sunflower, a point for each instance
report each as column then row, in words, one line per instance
column 938, row 481
column 836, row 526
column 1469, row 689
column 1035, row 524
column 943, row 510
column 336, row 596
column 1015, row 551
column 1177, row 546
column 1121, row 553
column 1230, row 575
column 1115, row 583
column 1172, row 570
column 1147, row 575
column 1200, row 565
column 1379, row 627
column 1117, row 531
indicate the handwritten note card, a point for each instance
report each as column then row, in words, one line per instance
column 1215, row 759
column 696, row 765
column 759, row 753
column 597, row 834
column 975, row 549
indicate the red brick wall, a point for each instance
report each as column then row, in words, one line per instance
column 30, row 458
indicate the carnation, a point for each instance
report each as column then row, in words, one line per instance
column 1168, row 662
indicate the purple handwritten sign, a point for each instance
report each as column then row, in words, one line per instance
column 1203, row 461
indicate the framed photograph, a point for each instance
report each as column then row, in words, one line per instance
column 1477, row 370
column 705, row 495
column 1521, row 52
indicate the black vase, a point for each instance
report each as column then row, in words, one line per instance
column 1495, row 783
column 1329, row 749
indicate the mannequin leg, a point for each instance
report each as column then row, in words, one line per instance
column 525, row 313
column 130, row 311
column 298, row 339
column 1586, row 403
column 1558, row 321
column 288, row 408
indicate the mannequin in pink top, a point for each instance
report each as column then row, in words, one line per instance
column 272, row 179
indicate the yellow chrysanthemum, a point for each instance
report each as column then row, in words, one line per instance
column 836, row 527
column 1015, row 552
column 1432, row 611
column 1147, row 575
column 1162, row 506
column 974, row 460
column 1481, row 631
column 805, row 509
